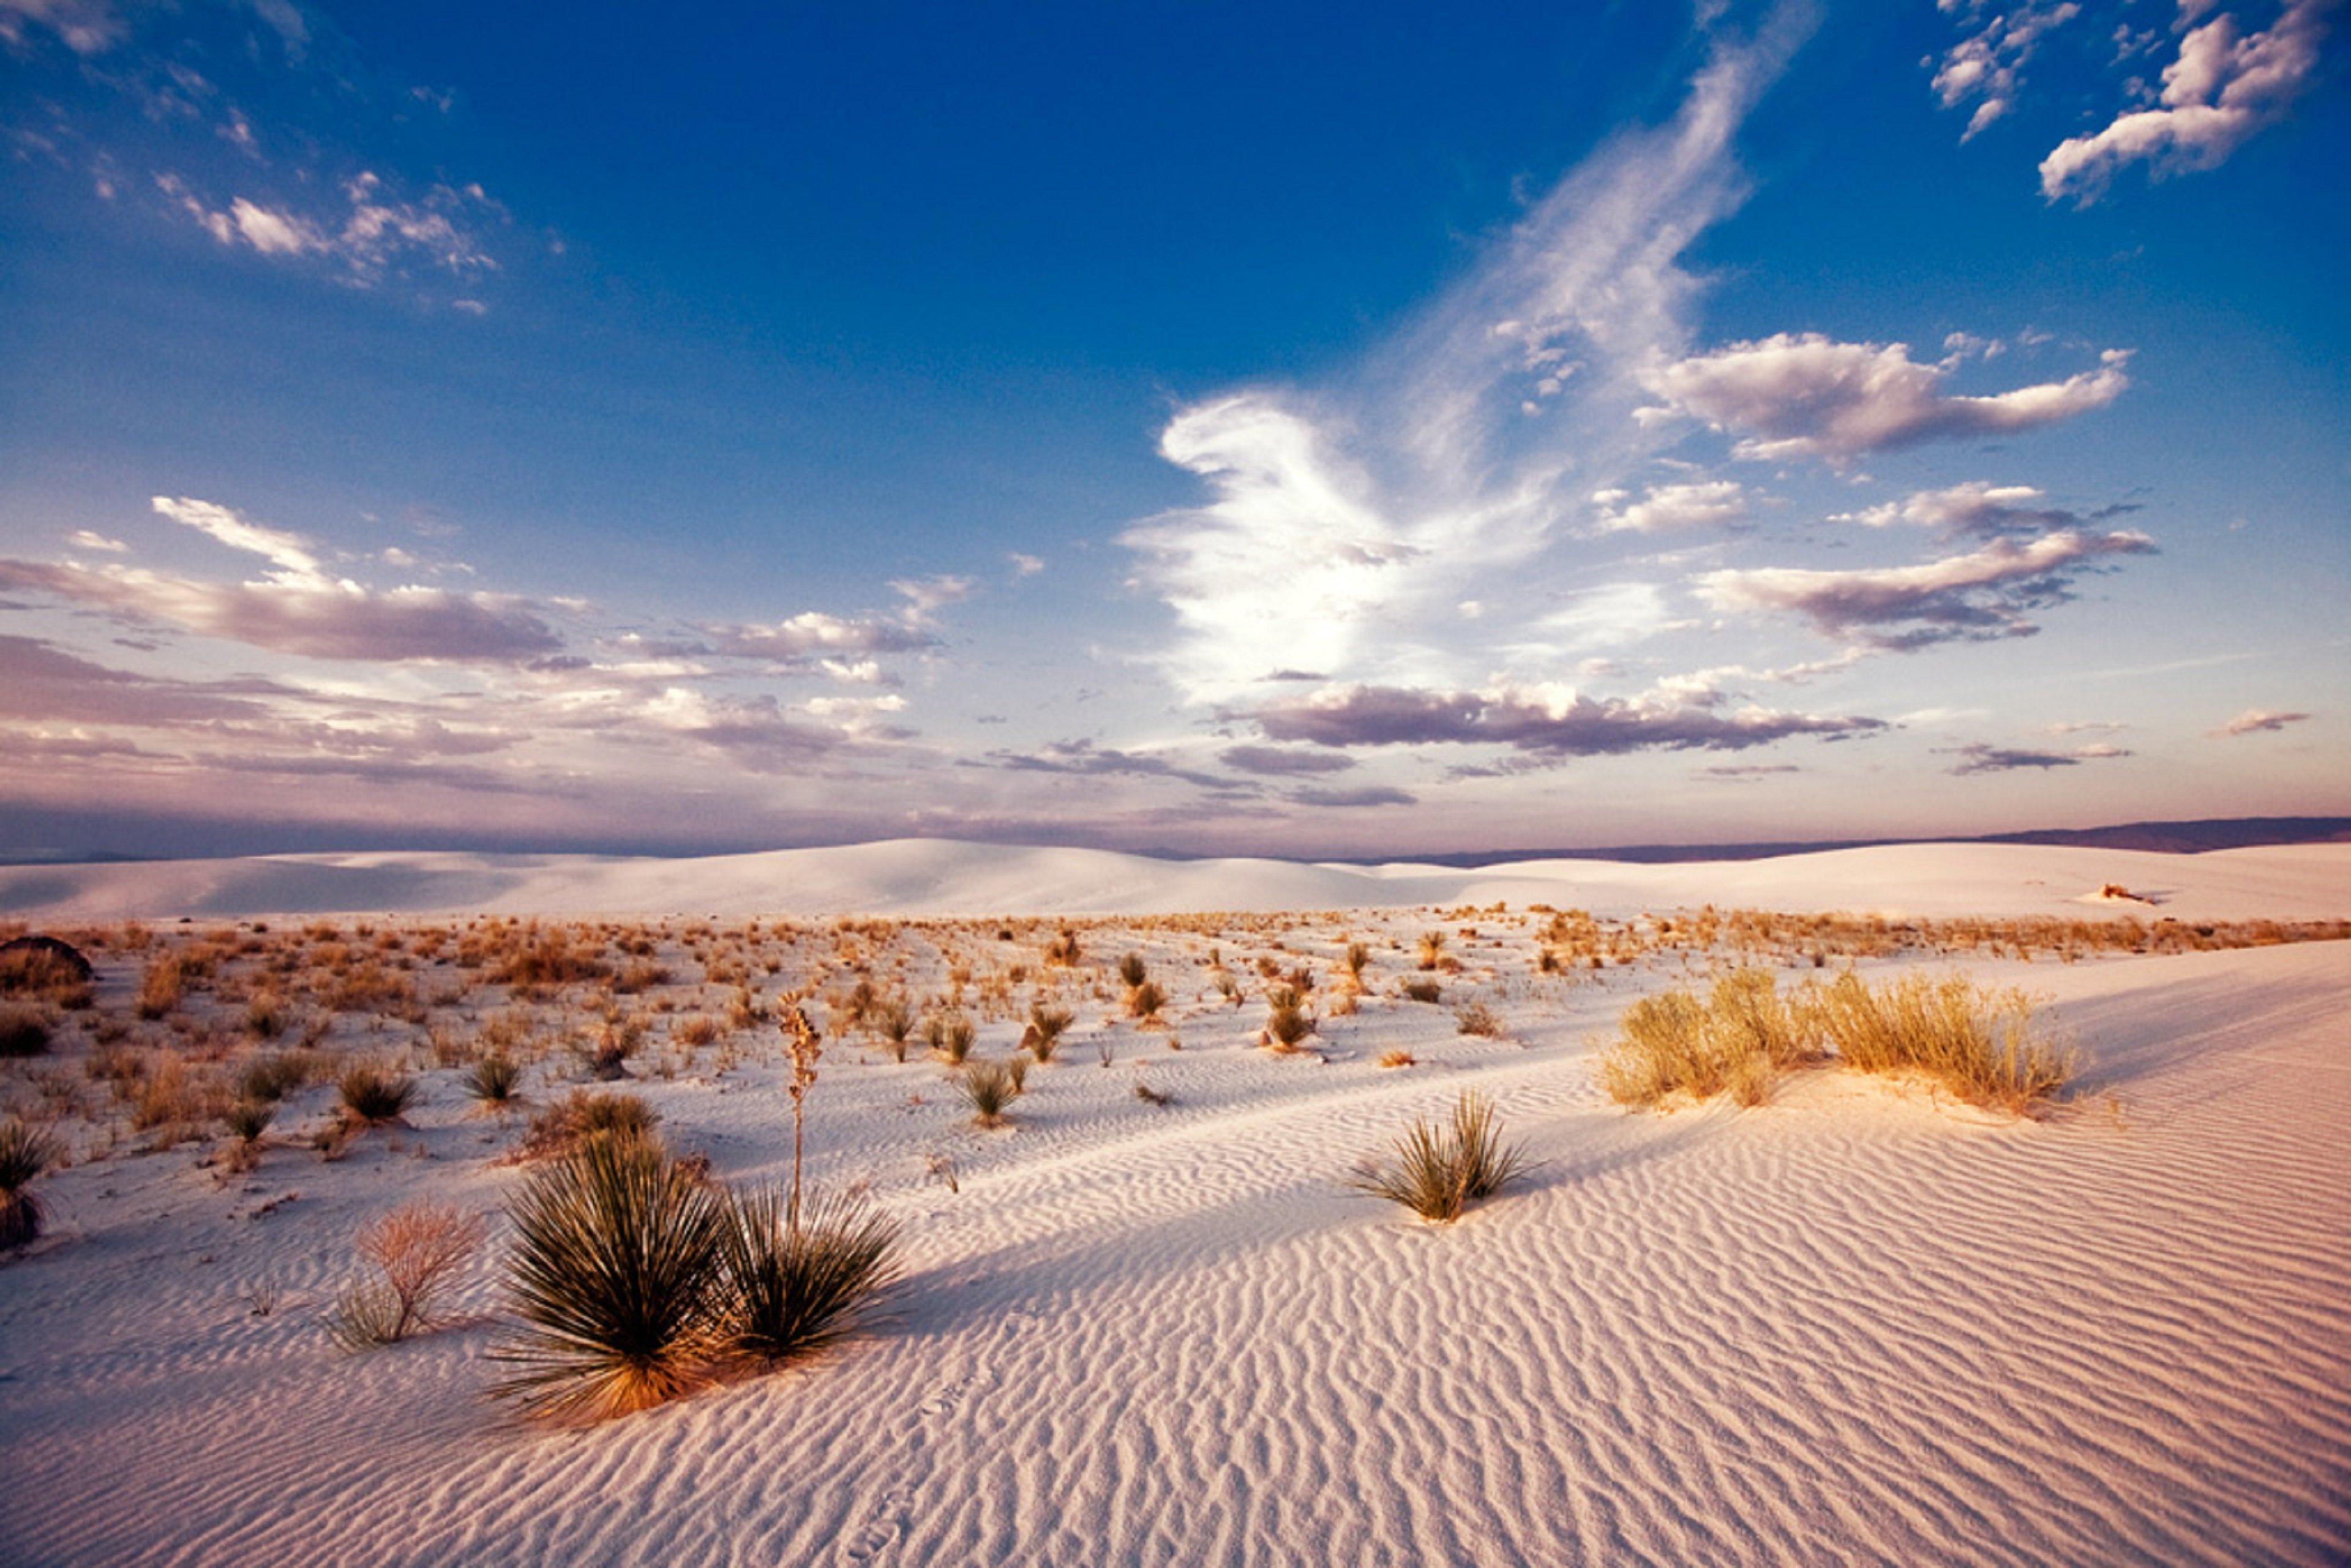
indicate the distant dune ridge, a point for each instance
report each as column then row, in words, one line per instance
column 938, row 877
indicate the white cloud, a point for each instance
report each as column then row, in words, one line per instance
column 1542, row 719
column 1984, row 593
column 1024, row 565
column 2224, row 86
column 1343, row 528
column 1805, row 394
column 1973, row 507
column 2259, row 721
column 1670, row 508
column 926, row 596
column 813, row 633
column 85, row 539
column 373, row 236
column 295, row 560
column 1984, row 64
column 85, row 26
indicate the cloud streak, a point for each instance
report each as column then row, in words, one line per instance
column 1550, row 724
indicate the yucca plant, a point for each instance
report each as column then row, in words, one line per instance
column 617, row 1274
column 494, row 1080
column 1046, row 1027
column 26, row 1152
column 951, row 1035
column 1146, row 1000
column 373, row 1096
column 989, row 1087
column 1132, row 970
column 792, row 1290
column 896, row 1024
column 1437, row 1171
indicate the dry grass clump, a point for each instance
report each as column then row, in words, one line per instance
column 45, row 968
column 269, row 1078
column 26, row 1153
column 588, row 1115
column 1287, row 1021
column 1437, row 1170
column 163, row 986
column 1982, row 1044
column 418, row 1252
column 1398, row 1059
column 950, row 1035
column 637, row 1281
column 373, row 1095
column 1044, row 1034
column 1478, row 1018
column 1736, row 1040
column 1422, row 990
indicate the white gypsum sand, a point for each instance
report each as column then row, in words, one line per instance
column 1858, row 1323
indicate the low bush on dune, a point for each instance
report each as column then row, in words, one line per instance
column 1046, row 1027
column 23, row 1032
column 494, row 1080
column 26, row 1153
column 417, row 1252
column 1439, row 1169
column 637, row 1281
column 562, row 1126
column 1734, row 1041
column 1982, row 1045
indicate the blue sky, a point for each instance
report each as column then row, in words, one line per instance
column 1285, row 429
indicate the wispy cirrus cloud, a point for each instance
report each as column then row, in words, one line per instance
column 1804, row 394
column 2224, row 85
column 1984, row 593
column 1344, row 524
column 2259, row 721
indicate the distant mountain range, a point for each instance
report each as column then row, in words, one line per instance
column 2159, row 838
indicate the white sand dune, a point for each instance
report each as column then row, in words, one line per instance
column 1851, row 1326
column 930, row 876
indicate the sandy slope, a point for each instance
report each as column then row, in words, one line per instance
column 1850, row 1326
column 927, row 876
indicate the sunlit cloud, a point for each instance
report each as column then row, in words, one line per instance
column 2260, row 721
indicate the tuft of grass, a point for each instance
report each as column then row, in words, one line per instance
column 418, row 1252
column 26, row 1154
column 794, row 1289
column 895, row 1022
column 374, row 1096
column 248, row 1119
column 1146, row 1000
column 587, row 1116
column 1432, row 949
column 616, row 1272
column 45, row 967
column 1150, row 1097
column 269, row 1079
column 1737, row 1039
column 163, row 988
column 1398, row 1059
column 1046, row 1027
column 989, row 1087
column 1423, row 991
column 1983, row 1045
column 1437, row 1170
column 1478, row 1018
column 951, row 1035
column 494, row 1081
column 1286, row 1024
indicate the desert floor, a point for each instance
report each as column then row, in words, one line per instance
column 1860, row 1323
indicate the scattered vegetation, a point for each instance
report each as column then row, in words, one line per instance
column 374, row 1096
column 1439, row 1169
column 418, row 1252
column 586, row 1115
column 25, row 1154
column 1478, row 1018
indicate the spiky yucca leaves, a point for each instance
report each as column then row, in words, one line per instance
column 1437, row 1171
column 989, row 1087
column 26, row 1152
column 616, row 1273
column 791, row 1291
column 372, row 1095
column 1046, row 1027
column 494, row 1080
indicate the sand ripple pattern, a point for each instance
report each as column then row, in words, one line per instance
column 1851, row 1327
